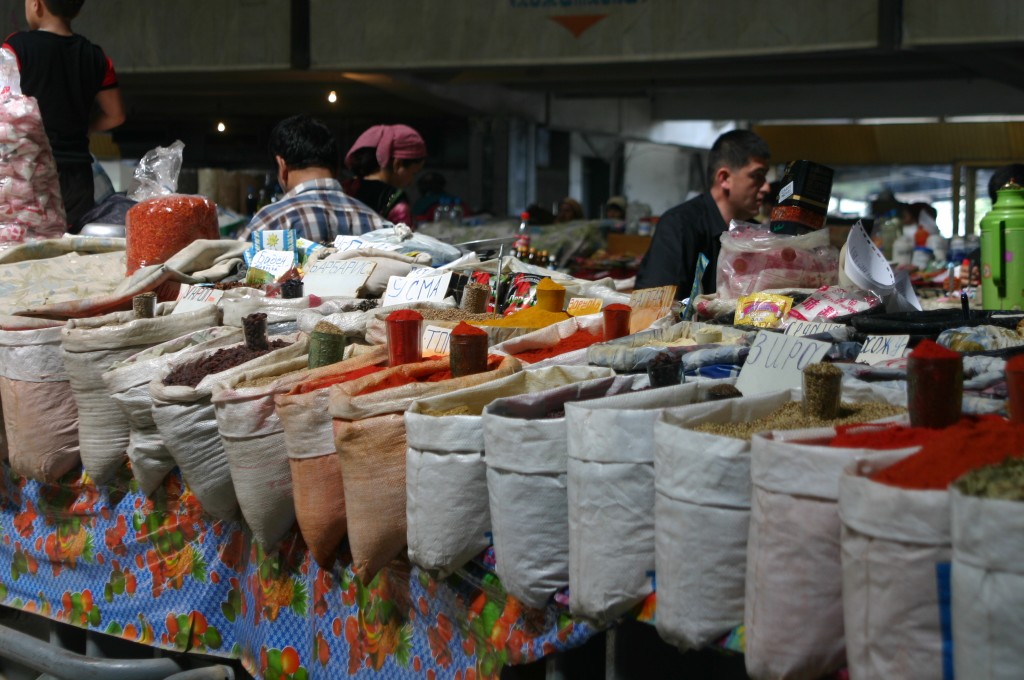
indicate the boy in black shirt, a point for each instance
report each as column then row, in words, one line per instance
column 67, row 75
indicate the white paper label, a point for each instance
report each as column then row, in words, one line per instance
column 811, row 327
column 347, row 243
column 337, row 278
column 274, row 262
column 192, row 298
column 879, row 349
column 424, row 272
column 776, row 362
column 402, row 289
column 785, row 192
column 584, row 306
column 435, row 340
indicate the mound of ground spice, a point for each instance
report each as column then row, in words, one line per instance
column 328, row 380
column 578, row 340
column 193, row 372
column 399, row 379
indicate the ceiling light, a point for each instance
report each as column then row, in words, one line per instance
column 221, row 127
column 332, row 96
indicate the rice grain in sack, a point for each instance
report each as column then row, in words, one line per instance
column 794, row 591
column 186, row 421
column 369, row 434
column 128, row 385
column 91, row 346
column 317, row 489
column 611, row 497
column 40, row 415
column 253, row 440
column 527, row 458
column 446, row 474
column 893, row 540
column 987, row 587
column 701, row 518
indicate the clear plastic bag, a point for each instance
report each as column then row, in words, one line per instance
column 157, row 172
column 754, row 259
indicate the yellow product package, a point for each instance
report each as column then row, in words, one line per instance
column 763, row 310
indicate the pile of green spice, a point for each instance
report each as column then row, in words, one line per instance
column 1004, row 481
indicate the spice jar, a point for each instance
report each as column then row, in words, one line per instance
column 326, row 345
column 616, row 321
column 144, row 305
column 404, row 330
column 467, row 349
column 157, row 228
column 474, row 298
column 665, row 370
column 254, row 328
column 550, row 295
column 292, row 288
column 1015, row 388
column 823, row 389
column 935, row 385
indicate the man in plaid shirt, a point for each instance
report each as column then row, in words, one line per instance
column 314, row 205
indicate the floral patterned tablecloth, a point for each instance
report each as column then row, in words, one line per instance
column 157, row 571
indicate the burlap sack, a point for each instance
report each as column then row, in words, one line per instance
column 549, row 336
column 370, row 439
column 317, row 489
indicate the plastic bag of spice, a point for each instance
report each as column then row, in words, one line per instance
column 40, row 415
column 90, row 347
column 446, row 474
column 610, row 486
column 157, row 228
column 527, row 457
column 562, row 344
column 128, row 385
column 253, row 440
column 184, row 415
column 369, row 434
column 317, row 488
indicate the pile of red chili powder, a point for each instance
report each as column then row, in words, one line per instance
column 400, row 378
column 578, row 340
column 945, row 455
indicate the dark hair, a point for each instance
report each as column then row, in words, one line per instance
column 65, row 9
column 917, row 208
column 304, row 142
column 363, row 162
column 734, row 149
column 1001, row 176
column 431, row 182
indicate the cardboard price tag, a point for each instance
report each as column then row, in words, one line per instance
column 776, row 362
column 811, row 327
column 436, row 340
column 584, row 306
column 337, row 278
column 268, row 265
column 191, row 298
column 879, row 349
column 648, row 305
column 402, row 289
column 346, row 243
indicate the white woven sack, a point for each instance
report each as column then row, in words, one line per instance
column 40, row 416
column 282, row 313
column 892, row 540
column 549, row 336
column 988, row 587
column 611, row 497
column 253, row 440
column 794, row 586
column 446, row 476
column 527, row 459
column 186, row 421
column 701, row 516
column 91, row 346
column 128, row 385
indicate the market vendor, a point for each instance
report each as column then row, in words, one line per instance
column 385, row 160
column 737, row 169
column 314, row 205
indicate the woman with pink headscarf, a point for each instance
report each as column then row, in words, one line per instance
column 385, row 160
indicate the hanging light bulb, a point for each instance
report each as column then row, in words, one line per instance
column 221, row 127
column 332, row 96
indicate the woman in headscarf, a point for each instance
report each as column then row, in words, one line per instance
column 385, row 160
column 568, row 210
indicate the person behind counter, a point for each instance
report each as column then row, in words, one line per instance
column 385, row 159
column 615, row 208
column 569, row 209
column 68, row 76
column 306, row 155
column 737, row 167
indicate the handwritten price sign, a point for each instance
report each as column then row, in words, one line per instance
column 776, row 362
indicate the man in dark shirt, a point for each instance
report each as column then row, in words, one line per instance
column 737, row 167
column 67, row 75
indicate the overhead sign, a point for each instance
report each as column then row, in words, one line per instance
column 880, row 349
column 192, row 298
column 776, row 362
column 337, row 278
column 402, row 289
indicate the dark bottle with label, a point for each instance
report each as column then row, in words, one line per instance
column 803, row 198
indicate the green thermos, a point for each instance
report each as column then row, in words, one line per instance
column 1002, row 250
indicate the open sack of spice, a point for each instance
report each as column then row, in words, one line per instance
column 185, row 417
column 703, row 504
column 438, row 314
column 30, row 199
column 369, row 434
column 93, row 345
column 127, row 383
column 527, row 459
column 610, row 483
column 636, row 352
column 987, row 581
column 319, row 495
column 564, row 343
column 447, row 507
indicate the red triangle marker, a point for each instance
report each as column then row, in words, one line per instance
column 577, row 24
